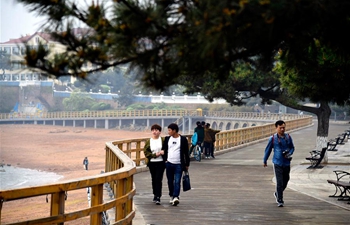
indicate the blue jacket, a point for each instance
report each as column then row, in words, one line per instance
column 279, row 145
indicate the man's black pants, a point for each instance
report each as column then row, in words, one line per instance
column 282, row 178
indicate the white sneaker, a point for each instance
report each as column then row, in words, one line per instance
column 176, row 201
column 171, row 200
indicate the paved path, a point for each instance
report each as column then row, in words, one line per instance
column 235, row 188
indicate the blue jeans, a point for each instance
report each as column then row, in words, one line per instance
column 174, row 174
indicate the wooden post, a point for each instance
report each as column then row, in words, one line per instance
column 96, row 199
column 57, row 204
column 138, row 153
column 120, row 209
column 1, row 202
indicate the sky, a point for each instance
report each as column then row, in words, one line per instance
column 16, row 20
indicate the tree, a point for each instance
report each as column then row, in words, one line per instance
column 208, row 45
column 78, row 102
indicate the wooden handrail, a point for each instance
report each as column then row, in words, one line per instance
column 119, row 175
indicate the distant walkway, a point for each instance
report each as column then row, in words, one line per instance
column 235, row 189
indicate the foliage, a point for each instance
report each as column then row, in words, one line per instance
column 100, row 106
column 219, row 48
column 125, row 97
column 319, row 73
column 77, row 102
column 228, row 108
column 339, row 110
column 157, row 106
column 104, row 88
column 80, row 102
column 113, row 80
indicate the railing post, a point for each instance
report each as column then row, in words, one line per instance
column 138, row 153
column 1, row 201
column 96, row 199
column 119, row 191
column 57, row 204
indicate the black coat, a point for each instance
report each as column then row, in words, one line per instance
column 185, row 158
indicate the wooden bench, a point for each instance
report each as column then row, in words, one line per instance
column 342, row 185
column 316, row 158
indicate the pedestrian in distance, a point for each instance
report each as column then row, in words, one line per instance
column 154, row 154
column 86, row 163
column 176, row 159
column 209, row 140
column 199, row 129
column 283, row 149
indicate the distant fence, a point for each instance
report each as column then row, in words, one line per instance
column 102, row 114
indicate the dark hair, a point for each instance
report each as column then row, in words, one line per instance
column 198, row 123
column 279, row 123
column 156, row 127
column 203, row 123
column 174, row 126
column 207, row 125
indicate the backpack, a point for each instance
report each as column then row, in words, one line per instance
column 194, row 138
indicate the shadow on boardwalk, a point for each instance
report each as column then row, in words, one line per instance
column 235, row 188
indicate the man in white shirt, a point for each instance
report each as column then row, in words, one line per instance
column 176, row 160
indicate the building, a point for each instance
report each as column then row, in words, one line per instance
column 16, row 49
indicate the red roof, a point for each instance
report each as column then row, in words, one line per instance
column 22, row 39
column 46, row 36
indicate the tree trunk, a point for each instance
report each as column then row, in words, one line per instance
column 323, row 114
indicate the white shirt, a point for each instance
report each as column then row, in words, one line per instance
column 174, row 150
column 156, row 146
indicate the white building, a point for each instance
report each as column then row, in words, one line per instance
column 16, row 49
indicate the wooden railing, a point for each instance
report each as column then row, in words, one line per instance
column 119, row 170
column 225, row 140
column 122, row 157
column 240, row 137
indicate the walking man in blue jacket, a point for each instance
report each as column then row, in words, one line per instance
column 283, row 148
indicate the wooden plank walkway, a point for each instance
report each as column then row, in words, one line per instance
column 235, row 188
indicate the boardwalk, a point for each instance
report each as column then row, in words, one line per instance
column 235, row 188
